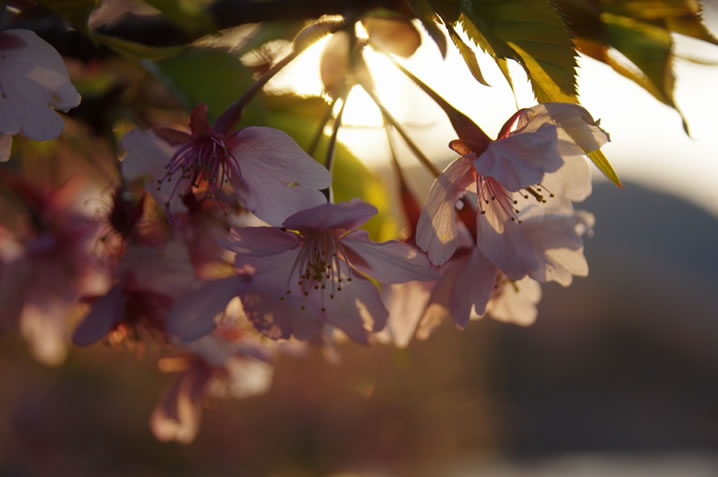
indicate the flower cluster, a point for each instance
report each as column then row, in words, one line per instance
column 223, row 248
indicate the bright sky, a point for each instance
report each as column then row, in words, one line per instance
column 648, row 143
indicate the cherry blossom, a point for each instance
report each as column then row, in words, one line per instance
column 48, row 269
column 270, row 173
column 513, row 177
column 311, row 272
column 147, row 282
column 216, row 367
column 33, row 83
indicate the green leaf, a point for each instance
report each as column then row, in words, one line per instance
column 186, row 14
column 530, row 32
column 217, row 78
column 646, row 46
column 425, row 13
column 641, row 30
column 469, row 56
column 604, row 166
column 75, row 12
column 134, row 50
column 207, row 75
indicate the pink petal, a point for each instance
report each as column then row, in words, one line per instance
column 147, row 156
column 278, row 177
column 521, row 159
column 516, row 302
column 106, row 312
column 341, row 216
column 356, row 308
column 406, row 303
column 387, row 262
column 166, row 271
column 474, row 287
column 436, row 230
column 496, row 237
column 5, row 147
column 261, row 241
column 177, row 417
column 194, row 315
column 571, row 182
column 281, row 319
column 32, row 87
column 577, row 130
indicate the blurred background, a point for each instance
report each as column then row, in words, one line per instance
column 618, row 376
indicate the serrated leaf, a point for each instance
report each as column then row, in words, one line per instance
column 425, row 13
column 530, row 32
column 649, row 48
column 448, row 10
column 641, row 31
column 469, row 56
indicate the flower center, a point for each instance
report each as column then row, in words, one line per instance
column 321, row 266
column 205, row 158
column 489, row 191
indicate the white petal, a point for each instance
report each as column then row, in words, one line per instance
column 516, row 302
column 147, row 156
column 33, row 80
column 356, row 309
column 406, row 303
column 576, row 126
column 178, row 416
column 194, row 315
column 474, row 287
column 387, row 262
column 278, row 177
column 571, row 182
column 106, row 312
column 521, row 160
column 436, row 231
column 261, row 241
column 342, row 216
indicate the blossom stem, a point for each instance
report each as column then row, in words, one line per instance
column 468, row 131
column 320, row 130
column 331, row 148
column 395, row 124
column 231, row 116
column 412, row 209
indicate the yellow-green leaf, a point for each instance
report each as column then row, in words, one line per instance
column 530, row 32
column 599, row 158
column 469, row 56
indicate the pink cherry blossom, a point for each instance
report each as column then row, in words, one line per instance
column 540, row 162
column 49, row 268
column 270, row 173
column 147, row 282
column 33, row 83
column 215, row 367
column 311, row 272
column 515, row 302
